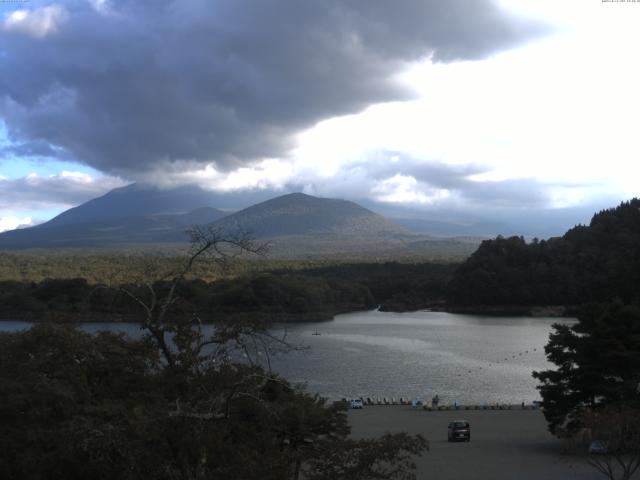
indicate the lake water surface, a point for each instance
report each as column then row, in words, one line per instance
column 463, row 358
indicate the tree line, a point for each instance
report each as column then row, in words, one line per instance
column 597, row 262
column 282, row 294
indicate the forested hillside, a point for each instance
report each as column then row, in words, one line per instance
column 597, row 262
column 300, row 214
column 282, row 294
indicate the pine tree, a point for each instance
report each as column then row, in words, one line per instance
column 598, row 364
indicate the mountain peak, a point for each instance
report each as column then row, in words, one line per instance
column 138, row 214
column 302, row 214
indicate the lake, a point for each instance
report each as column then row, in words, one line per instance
column 463, row 358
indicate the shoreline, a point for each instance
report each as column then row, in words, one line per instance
column 557, row 311
column 553, row 311
column 462, row 407
column 101, row 317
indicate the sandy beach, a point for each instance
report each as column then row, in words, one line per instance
column 505, row 444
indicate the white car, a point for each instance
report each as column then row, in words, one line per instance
column 356, row 403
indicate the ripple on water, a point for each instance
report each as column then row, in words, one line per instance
column 463, row 358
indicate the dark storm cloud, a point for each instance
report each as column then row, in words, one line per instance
column 138, row 84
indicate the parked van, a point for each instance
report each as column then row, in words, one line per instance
column 459, row 430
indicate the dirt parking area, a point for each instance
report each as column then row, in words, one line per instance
column 505, row 444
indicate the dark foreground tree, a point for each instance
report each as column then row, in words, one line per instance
column 175, row 404
column 598, row 364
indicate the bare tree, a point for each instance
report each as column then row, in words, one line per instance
column 179, row 336
column 616, row 429
column 159, row 296
column 217, row 417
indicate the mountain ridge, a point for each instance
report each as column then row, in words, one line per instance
column 153, row 228
column 301, row 214
column 139, row 199
column 324, row 222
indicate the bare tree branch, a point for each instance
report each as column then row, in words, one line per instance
column 617, row 429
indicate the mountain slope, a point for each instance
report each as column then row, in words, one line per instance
column 131, row 201
column 454, row 222
column 300, row 214
column 296, row 225
column 122, row 217
column 118, row 231
column 139, row 200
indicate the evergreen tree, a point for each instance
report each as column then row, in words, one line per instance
column 598, row 262
column 598, row 364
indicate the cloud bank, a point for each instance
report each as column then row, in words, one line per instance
column 11, row 223
column 394, row 177
column 132, row 86
column 66, row 189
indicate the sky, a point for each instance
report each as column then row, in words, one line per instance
column 474, row 105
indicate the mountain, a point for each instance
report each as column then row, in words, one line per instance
column 167, row 228
column 296, row 225
column 136, row 214
column 141, row 200
column 301, row 226
column 476, row 222
column 133, row 214
column 300, row 214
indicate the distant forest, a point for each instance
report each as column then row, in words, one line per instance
column 282, row 294
column 591, row 263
